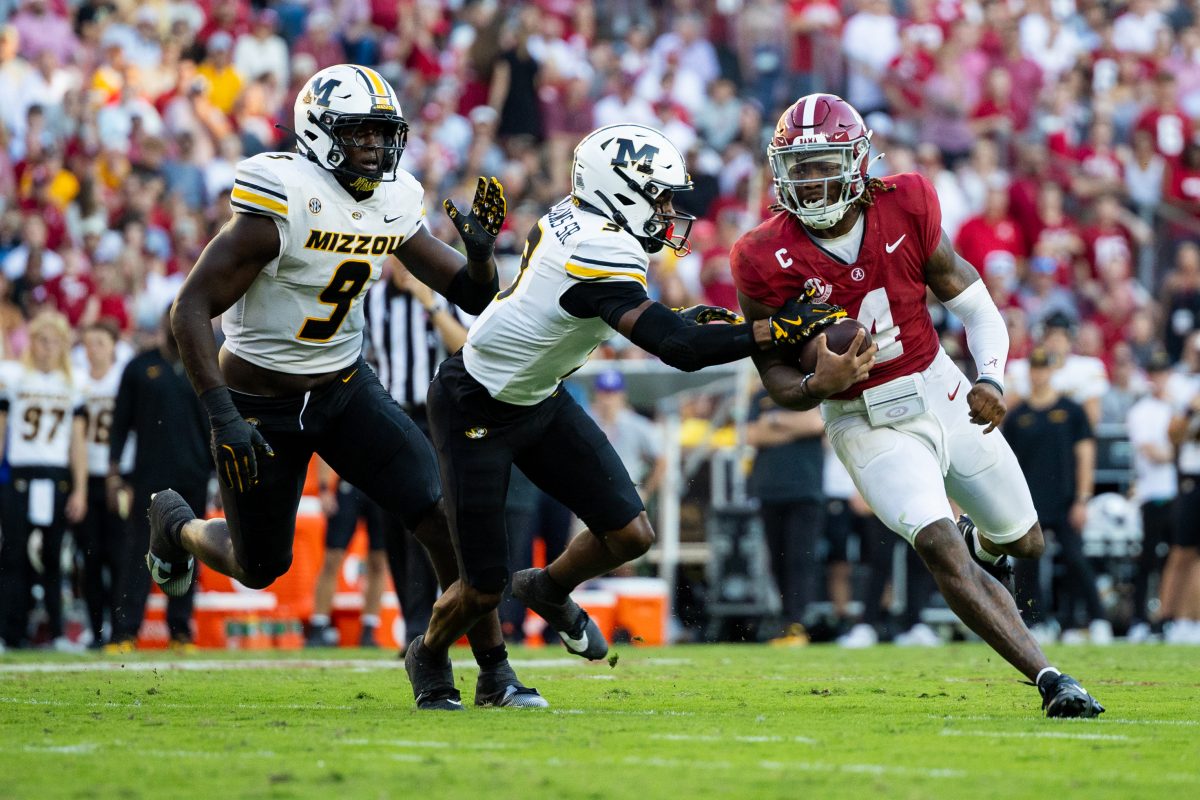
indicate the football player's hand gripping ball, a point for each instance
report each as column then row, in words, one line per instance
column 480, row 226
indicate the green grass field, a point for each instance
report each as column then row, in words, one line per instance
column 682, row 722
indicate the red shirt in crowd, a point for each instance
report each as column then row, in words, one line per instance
column 979, row 237
column 1104, row 244
column 1171, row 130
column 70, row 294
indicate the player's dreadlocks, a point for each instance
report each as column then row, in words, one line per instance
column 867, row 198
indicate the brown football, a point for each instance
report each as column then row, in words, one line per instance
column 838, row 337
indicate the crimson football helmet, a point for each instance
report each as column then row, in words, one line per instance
column 818, row 157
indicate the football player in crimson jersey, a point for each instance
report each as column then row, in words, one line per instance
column 915, row 429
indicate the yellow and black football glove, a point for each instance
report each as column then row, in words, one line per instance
column 236, row 443
column 480, row 226
column 702, row 315
column 800, row 319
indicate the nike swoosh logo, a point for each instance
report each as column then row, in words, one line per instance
column 575, row 645
column 891, row 248
column 456, row 703
column 352, row 374
column 954, row 394
column 386, row 220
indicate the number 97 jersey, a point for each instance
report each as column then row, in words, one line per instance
column 304, row 314
column 884, row 288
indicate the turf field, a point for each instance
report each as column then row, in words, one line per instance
column 682, row 722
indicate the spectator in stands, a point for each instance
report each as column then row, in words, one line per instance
column 992, row 231
column 1053, row 441
column 155, row 402
column 262, row 51
column 1155, row 487
column 1127, row 384
column 1180, row 298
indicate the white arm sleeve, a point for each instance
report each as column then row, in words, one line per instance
column 987, row 335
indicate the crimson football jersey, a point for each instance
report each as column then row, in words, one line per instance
column 884, row 289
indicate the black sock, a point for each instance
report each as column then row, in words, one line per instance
column 553, row 590
column 492, row 657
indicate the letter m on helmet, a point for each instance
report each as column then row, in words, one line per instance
column 628, row 155
column 323, row 88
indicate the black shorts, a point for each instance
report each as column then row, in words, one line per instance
column 359, row 430
column 1186, row 531
column 839, row 521
column 555, row 443
column 353, row 505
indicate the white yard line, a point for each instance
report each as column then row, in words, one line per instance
column 1101, row 722
column 1110, row 737
column 803, row 766
column 688, row 737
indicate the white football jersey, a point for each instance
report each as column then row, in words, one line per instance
column 303, row 314
column 524, row 343
column 100, row 398
column 41, row 414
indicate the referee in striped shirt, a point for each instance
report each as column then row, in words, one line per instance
column 410, row 331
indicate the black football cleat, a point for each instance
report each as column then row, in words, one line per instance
column 1001, row 570
column 1062, row 696
column 579, row 633
column 432, row 682
column 500, row 687
column 171, row 567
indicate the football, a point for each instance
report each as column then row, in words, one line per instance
column 838, row 337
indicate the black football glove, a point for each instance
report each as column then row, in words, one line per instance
column 702, row 315
column 799, row 320
column 236, row 444
column 480, row 226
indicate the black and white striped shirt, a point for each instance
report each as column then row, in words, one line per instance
column 403, row 343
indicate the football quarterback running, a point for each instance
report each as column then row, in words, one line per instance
column 916, row 430
column 310, row 233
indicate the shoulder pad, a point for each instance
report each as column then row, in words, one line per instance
column 260, row 184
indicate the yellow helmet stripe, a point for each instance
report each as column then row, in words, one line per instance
column 377, row 82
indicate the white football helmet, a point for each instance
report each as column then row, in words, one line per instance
column 626, row 173
column 332, row 104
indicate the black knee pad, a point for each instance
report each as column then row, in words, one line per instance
column 491, row 580
column 263, row 575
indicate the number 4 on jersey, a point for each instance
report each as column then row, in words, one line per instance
column 875, row 313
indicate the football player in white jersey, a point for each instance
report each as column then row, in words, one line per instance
column 101, row 533
column 42, row 417
column 289, row 272
column 499, row 402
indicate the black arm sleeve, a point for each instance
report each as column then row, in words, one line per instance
column 691, row 347
column 470, row 295
column 122, row 421
column 608, row 300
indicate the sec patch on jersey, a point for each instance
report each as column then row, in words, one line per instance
column 838, row 338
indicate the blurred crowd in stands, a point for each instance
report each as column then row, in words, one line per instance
column 1060, row 135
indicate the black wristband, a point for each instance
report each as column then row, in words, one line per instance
column 218, row 402
column 992, row 382
column 469, row 294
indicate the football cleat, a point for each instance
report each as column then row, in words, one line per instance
column 1062, row 696
column 171, row 567
column 579, row 633
column 500, row 687
column 432, row 683
column 1001, row 570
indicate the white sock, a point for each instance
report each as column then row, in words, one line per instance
column 1038, row 679
column 370, row 620
column 980, row 553
column 319, row 620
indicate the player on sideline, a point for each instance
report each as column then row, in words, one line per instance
column 289, row 272
column 909, row 434
column 499, row 401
